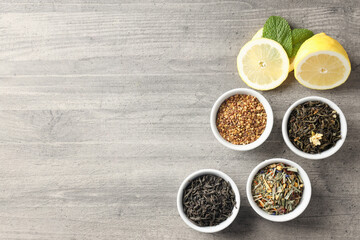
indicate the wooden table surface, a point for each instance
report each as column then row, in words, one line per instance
column 104, row 110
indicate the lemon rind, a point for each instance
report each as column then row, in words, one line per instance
column 258, row 34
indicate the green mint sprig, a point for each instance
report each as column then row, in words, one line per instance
column 278, row 29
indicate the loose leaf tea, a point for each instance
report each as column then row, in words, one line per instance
column 241, row 119
column 208, row 200
column 314, row 127
column 277, row 189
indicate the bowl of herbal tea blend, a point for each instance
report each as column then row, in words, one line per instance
column 241, row 119
column 314, row 128
column 208, row 200
column 278, row 190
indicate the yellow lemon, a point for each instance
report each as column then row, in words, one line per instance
column 259, row 34
column 321, row 63
column 291, row 64
column 263, row 64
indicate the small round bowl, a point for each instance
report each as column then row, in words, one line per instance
column 305, row 199
column 326, row 153
column 224, row 224
column 269, row 122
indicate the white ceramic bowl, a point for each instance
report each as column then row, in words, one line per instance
column 221, row 226
column 269, row 122
column 326, row 153
column 305, row 199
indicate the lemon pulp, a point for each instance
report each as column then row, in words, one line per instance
column 322, row 70
column 262, row 64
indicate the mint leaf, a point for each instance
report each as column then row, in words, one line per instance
column 299, row 36
column 278, row 29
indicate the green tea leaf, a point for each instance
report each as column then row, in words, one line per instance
column 278, row 29
column 299, row 36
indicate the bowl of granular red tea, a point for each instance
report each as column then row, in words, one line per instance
column 208, row 200
column 241, row 119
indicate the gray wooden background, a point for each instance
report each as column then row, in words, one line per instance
column 104, row 110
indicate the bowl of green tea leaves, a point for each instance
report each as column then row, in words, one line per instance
column 278, row 190
column 314, row 127
column 208, row 200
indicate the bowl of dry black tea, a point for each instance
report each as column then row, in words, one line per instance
column 278, row 190
column 314, row 127
column 241, row 119
column 208, row 200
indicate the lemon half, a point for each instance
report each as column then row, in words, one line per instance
column 263, row 64
column 321, row 63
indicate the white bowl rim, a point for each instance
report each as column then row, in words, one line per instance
column 326, row 153
column 269, row 121
column 305, row 199
column 224, row 224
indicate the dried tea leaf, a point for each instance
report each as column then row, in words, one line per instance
column 208, row 200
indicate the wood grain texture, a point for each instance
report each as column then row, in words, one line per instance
column 104, row 110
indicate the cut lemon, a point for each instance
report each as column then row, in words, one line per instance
column 322, row 63
column 259, row 34
column 263, row 64
column 291, row 64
